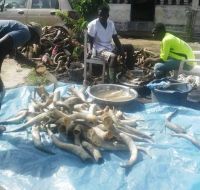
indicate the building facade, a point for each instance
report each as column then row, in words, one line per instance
column 137, row 17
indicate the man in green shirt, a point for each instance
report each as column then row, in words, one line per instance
column 172, row 51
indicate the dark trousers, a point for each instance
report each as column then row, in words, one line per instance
column 6, row 46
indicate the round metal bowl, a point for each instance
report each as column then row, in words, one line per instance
column 112, row 94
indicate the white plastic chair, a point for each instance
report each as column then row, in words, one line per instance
column 90, row 61
column 195, row 71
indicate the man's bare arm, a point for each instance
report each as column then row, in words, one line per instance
column 150, row 61
column 118, row 45
column 117, row 42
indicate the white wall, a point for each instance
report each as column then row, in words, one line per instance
column 120, row 12
column 172, row 14
column 175, row 18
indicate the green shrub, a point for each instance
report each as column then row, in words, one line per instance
column 87, row 8
column 34, row 79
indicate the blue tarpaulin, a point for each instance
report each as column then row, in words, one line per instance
column 174, row 162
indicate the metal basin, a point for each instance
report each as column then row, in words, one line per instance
column 112, row 94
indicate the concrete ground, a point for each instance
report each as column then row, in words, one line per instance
column 10, row 74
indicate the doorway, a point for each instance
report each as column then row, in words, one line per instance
column 142, row 10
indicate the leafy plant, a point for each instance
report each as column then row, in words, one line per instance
column 87, row 8
column 76, row 26
column 34, row 79
column 77, row 53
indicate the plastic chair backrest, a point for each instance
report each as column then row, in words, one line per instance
column 196, row 70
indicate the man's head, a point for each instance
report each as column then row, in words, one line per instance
column 36, row 32
column 159, row 31
column 103, row 13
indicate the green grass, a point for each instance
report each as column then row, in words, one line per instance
column 35, row 79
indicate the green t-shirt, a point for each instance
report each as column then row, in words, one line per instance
column 173, row 47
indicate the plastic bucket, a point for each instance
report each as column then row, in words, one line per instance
column 175, row 94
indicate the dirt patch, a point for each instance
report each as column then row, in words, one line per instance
column 140, row 43
column 152, row 44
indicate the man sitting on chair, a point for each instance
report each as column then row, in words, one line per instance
column 101, row 32
column 173, row 51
